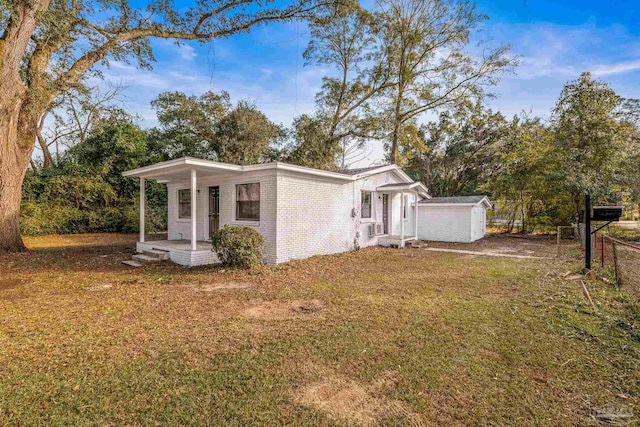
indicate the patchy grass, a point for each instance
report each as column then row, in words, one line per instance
column 516, row 244
column 625, row 233
column 377, row 337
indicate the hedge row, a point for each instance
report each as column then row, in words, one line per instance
column 38, row 219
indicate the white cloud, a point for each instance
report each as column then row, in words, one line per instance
column 186, row 52
column 616, row 68
column 271, row 73
column 552, row 55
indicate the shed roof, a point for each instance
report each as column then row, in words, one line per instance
column 457, row 200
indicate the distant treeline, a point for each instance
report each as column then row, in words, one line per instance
column 537, row 170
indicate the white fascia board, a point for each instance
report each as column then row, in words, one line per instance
column 155, row 167
column 398, row 187
column 381, row 169
column 402, row 174
column 180, row 164
column 448, row 205
column 186, row 163
column 192, row 161
column 418, row 186
column 299, row 169
column 485, row 201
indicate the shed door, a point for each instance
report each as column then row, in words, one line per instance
column 214, row 209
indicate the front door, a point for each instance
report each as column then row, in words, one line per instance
column 385, row 213
column 214, row 209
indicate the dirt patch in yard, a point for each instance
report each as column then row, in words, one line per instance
column 345, row 400
column 99, row 288
column 538, row 246
column 282, row 310
column 223, row 286
column 6, row 284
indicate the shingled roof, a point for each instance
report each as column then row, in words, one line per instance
column 360, row 170
column 456, row 199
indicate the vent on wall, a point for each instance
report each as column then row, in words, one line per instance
column 378, row 228
column 372, row 230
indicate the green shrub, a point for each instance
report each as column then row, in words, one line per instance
column 49, row 218
column 238, row 246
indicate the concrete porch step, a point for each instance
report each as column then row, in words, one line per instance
column 157, row 253
column 145, row 258
column 132, row 263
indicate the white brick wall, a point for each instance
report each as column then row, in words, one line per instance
column 181, row 228
column 314, row 216
column 300, row 216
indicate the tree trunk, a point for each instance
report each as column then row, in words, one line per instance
column 397, row 124
column 15, row 153
column 46, row 153
column 19, row 112
column 393, row 155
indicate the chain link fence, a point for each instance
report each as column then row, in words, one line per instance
column 568, row 242
column 621, row 259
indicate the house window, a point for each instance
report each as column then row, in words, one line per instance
column 248, row 202
column 365, row 208
column 184, row 203
column 405, row 209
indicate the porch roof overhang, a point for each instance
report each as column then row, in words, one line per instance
column 180, row 170
column 413, row 186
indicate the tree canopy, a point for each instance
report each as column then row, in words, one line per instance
column 50, row 47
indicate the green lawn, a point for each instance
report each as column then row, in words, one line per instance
column 377, row 337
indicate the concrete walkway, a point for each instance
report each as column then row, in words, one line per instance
column 494, row 254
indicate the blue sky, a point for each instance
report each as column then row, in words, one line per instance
column 556, row 40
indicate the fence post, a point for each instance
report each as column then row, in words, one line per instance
column 602, row 250
column 615, row 264
column 558, row 242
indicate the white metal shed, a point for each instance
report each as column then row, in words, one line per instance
column 453, row 219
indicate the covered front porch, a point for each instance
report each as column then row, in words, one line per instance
column 406, row 229
column 181, row 251
column 189, row 249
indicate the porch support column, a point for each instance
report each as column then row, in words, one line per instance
column 142, row 207
column 415, row 216
column 402, row 217
column 194, row 209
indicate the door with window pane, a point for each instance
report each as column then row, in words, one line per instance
column 214, row 209
column 385, row 213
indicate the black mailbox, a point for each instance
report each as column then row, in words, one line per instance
column 606, row 213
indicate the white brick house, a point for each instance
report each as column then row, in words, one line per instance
column 300, row 211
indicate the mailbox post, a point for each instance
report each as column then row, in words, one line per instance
column 600, row 213
column 587, row 231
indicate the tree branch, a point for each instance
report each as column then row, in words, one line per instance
column 86, row 61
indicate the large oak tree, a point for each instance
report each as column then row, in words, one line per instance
column 434, row 64
column 48, row 47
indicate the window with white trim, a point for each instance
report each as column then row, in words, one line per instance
column 248, row 202
column 365, row 206
column 184, row 203
column 406, row 202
